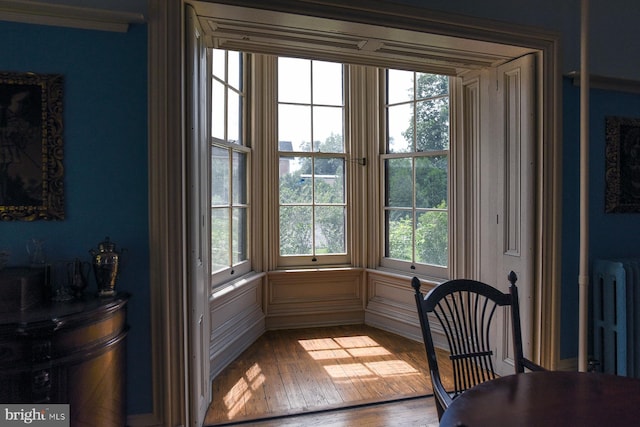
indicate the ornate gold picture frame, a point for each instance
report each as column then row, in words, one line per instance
column 31, row 146
column 622, row 170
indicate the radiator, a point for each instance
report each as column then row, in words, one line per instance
column 616, row 316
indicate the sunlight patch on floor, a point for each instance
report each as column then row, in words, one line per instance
column 368, row 351
column 329, row 354
column 319, row 344
column 351, row 370
column 391, row 368
column 360, row 346
column 241, row 391
column 343, row 347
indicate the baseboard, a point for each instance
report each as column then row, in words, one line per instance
column 393, row 325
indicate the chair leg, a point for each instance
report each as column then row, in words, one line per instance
column 439, row 408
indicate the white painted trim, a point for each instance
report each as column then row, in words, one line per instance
column 167, row 236
column 35, row 12
column 607, row 83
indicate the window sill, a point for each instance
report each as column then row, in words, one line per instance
column 235, row 284
column 435, row 281
column 315, row 269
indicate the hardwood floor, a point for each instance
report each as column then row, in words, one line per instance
column 308, row 376
column 414, row 412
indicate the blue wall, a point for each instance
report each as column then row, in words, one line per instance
column 105, row 164
column 612, row 235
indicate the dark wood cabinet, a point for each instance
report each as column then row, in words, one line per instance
column 68, row 352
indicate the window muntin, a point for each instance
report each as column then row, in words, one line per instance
column 227, row 93
column 415, row 172
column 229, row 167
column 312, row 201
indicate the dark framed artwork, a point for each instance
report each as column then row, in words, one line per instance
column 31, row 146
column 622, row 170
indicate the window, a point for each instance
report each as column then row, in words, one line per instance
column 415, row 167
column 229, row 167
column 312, row 159
column 311, row 171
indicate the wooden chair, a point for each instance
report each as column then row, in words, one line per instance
column 464, row 310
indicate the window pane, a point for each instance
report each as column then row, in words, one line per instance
column 400, row 128
column 219, row 176
column 294, row 80
column 295, row 230
column 431, row 182
column 239, row 178
column 295, row 186
column 239, row 235
column 235, row 70
column 399, row 86
column 431, row 85
column 330, row 230
column 327, row 129
column 432, row 127
column 294, row 126
column 234, row 115
column 399, row 183
column 219, row 239
column 329, row 180
column 432, row 238
column 399, row 234
column 219, row 63
column 327, row 83
column 217, row 110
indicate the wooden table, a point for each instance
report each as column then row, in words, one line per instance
column 548, row 399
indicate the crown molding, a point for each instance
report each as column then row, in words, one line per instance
column 607, row 83
column 34, row 12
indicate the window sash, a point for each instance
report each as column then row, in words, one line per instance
column 305, row 246
column 230, row 169
column 400, row 241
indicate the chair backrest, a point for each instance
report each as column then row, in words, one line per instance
column 463, row 311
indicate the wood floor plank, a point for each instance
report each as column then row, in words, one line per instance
column 255, row 399
column 293, row 390
column 349, row 390
column 312, row 386
column 411, row 413
column 274, row 389
column 289, row 372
